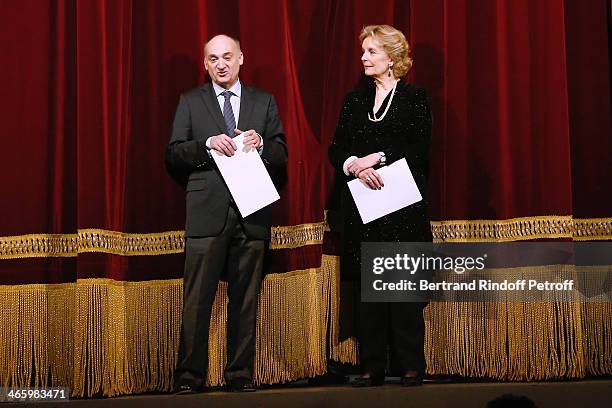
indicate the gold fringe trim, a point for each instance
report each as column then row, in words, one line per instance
column 128, row 244
column 516, row 229
column 346, row 351
column 292, row 327
column 100, row 336
column 511, row 340
column 597, row 343
column 36, row 338
column 125, row 336
column 505, row 340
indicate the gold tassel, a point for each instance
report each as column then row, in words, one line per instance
column 346, row 351
column 505, row 339
column 36, row 330
column 597, row 321
column 292, row 326
column 60, row 318
column 217, row 350
column 126, row 336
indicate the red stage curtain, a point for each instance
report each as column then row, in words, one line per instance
column 520, row 93
column 90, row 92
column 589, row 74
column 522, row 101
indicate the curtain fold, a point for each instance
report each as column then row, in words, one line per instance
column 521, row 106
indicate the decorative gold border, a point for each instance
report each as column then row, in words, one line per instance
column 39, row 245
column 121, row 243
column 91, row 240
column 523, row 228
column 592, row 229
column 129, row 244
column 296, row 236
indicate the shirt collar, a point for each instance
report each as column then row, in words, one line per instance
column 236, row 89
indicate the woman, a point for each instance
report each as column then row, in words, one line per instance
column 384, row 121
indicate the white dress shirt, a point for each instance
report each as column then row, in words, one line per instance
column 346, row 164
column 236, row 91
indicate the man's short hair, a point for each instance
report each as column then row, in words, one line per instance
column 237, row 41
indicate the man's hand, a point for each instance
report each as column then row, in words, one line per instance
column 363, row 163
column 251, row 137
column 223, row 144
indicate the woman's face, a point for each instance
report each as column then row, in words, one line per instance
column 375, row 59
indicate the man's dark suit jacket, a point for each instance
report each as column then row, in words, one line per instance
column 199, row 117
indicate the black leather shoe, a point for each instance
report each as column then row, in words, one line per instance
column 411, row 381
column 241, row 386
column 328, row 378
column 370, row 381
column 184, row 390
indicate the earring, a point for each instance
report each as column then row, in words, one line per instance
column 389, row 71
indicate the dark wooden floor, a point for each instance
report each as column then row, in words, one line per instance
column 576, row 394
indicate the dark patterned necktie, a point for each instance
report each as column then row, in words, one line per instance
column 228, row 114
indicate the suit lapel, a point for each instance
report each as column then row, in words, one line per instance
column 212, row 104
column 246, row 107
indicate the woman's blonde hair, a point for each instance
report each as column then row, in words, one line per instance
column 395, row 45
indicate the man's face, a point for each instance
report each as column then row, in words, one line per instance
column 222, row 60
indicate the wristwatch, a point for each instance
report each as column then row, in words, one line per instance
column 383, row 158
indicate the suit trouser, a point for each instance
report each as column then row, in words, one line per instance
column 399, row 326
column 205, row 260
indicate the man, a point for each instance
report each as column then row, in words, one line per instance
column 219, row 241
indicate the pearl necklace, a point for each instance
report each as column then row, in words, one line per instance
column 374, row 119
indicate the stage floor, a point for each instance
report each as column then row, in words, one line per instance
column 576, row 394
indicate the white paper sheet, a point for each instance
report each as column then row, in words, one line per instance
column 247, row 178
column 400, row 191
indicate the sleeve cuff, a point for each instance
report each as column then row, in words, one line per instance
column 208, row 146
column 206, row 153
column 346, row 163
column 261, row 143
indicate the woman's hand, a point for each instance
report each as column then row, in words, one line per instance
column 371, row 178
column 363, row 163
